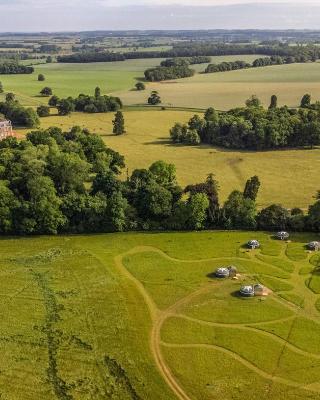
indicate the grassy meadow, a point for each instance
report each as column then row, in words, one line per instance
column 147, row 140
column 125, row 316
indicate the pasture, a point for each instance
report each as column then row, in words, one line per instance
column 147, row 140
column 230, row 89
column 73, row 79
column 140, row 316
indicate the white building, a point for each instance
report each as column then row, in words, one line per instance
column 5, row 129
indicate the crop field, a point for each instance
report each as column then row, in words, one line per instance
column 230, row 89
column 147, row 140
column 141, row 316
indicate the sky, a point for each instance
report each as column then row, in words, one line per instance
column 79, row 15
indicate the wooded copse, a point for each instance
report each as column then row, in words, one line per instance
column 158, row 74
column 13, row 67
column 253, row 127
column 56, row 182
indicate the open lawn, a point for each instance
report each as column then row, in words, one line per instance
column 140, row 316
column 230, row 89
column 147, row 140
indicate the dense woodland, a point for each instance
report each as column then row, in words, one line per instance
column 17, row 114
column 253, row 127
column 55, row 182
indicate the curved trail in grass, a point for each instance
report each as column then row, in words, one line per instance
column 245, row 362
column 158, row 318
column 249, row 327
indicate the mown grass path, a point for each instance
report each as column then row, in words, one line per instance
column 159, row 317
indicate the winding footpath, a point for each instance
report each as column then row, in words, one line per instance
column 158, row 317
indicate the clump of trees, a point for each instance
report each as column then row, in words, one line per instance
column 13, row 67
column 17, row 114
column 154, row 98
column 41, row 78
column 165, row 73
column 86, row 103
column 43, row 111
column 253, row 127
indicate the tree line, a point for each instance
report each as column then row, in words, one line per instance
column 13, row 67
column 259, row 62
column 299, row 53
column 253, row 127
column 178, row 61
column 12, row 110
column 68, row 182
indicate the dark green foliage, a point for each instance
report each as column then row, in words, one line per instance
column 273, row 218
column 43, row 111
column 12, row 67
column 53, row 101
column 118, row 124
column 305, row 101
column 1, row 88
column 140, row 86
column 252, row 188
column 178, row 62
column 273, row 102
column 46, row 91
column 165, row 73
column 154, row 98
column 17, row 114
column 41, row 78
column 89, row 104
column 49, row 60
column 253, row 127
column 97, row 92
column 10, row 97
column 65, row 106
column 239, row 212
column 227, row 66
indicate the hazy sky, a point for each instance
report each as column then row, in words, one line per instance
column 67, row 15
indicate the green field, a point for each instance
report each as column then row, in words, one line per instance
column 73, row 79
column 230, row 89
column 147, row 140
column 140, row 316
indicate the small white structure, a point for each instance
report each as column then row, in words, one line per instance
column 226, row 272
column 253, row 244
column 282, row 235
column 247, row 291
column 258, row 290
column 5, row 129
column 314, row 246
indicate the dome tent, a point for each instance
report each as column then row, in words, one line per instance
column 315, row 246
column 282, row 235
column 247, row 291
column 226, row 272
column 222, row 273
column 253, row 244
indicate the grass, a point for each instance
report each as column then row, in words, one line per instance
column 231, row 89
column 77, row 319
column 147, row 140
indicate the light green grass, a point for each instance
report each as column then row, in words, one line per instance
column 65, row 297
column 293, row 298
column 147, row 140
